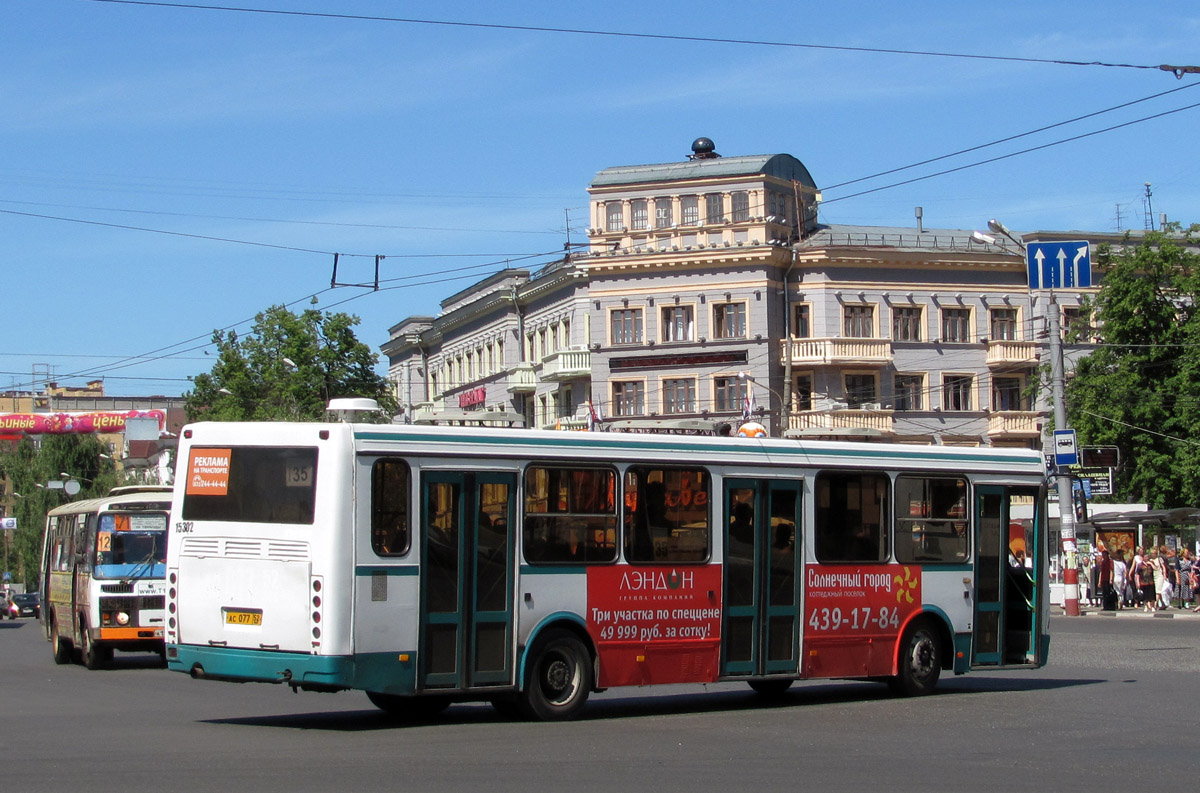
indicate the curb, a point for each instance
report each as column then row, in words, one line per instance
column 1132, row 613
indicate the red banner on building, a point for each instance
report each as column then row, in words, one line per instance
column 75, row 423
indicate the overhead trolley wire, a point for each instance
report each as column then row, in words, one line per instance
column 1178, row 71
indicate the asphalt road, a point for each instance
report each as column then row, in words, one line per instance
column 1120, row 694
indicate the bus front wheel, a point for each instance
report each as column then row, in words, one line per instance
column 94, row 657
column 920, row 662
column 559, row 679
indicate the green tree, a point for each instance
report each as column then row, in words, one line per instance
column 288, row 368
column 32, row 463
column 1140, row 389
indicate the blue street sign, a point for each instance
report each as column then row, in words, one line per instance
column 1058, row 265
column 1066, row 449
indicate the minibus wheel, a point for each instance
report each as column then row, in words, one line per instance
column 93, row 657
column 60, row 647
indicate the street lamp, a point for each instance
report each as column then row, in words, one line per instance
column 750, row 378
column 1066, row 513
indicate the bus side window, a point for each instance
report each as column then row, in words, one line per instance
column 570, row 515
column 390, row 479
column 666, row 514
column 931, row 519
column 852, row 516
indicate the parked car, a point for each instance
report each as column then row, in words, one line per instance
column 26, row 605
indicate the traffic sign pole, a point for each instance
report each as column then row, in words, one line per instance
column 1066, row 514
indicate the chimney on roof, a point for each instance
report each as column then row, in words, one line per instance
column 703, row 149
column 919, row 212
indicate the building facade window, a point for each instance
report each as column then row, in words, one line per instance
column 663, row 216
column 956, row 325
column 689, row 206
column 906, row 323
column 714, row 208
column 678, row 323
column 629, row 398
column 566, row 402
column 860, row 390
column 741, row 206
column 729, row 393
column 1007, row 394
column 679, row 395
column 639, row 215
column 1076, row 325
column 614, row 216
column 802, row 392
column 802, row 321
column 1004, row 324
column 729, row 321
column 627, row 326
column 956, row 391
column 858, row 322
column 907, row 392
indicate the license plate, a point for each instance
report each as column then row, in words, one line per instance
column 243, row 618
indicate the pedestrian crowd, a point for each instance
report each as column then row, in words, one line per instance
column 1152, row 580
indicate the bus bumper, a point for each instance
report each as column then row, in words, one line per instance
column 323, row 672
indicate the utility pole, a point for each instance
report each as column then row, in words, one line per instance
column 1066, row 508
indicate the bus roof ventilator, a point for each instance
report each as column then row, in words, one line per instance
column 348, row 409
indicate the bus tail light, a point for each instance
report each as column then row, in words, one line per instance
column 315, row 617
column 172, row 606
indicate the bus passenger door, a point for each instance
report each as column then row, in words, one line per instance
column 1008, row 562
column 466, row 579
column 761, row 630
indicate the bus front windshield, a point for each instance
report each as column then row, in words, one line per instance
column 131, row 545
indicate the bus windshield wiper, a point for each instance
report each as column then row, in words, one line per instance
column 148, row 562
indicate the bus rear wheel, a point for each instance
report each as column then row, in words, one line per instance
column 60, row 646
column 771, row 688
column 559, row 679
column 414, row 708
column 920, row 662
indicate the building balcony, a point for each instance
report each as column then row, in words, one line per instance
column 521, row 379
column 566, row 423
column 1015, row 424
column 567, row 365
column 842, row 422
column 859, row 352
column 1003, row 352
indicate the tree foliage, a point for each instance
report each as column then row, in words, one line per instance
column 1140, row 389
column 29, row 466
column 287, row 368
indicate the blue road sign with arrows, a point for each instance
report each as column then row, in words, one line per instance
column 1059, row 265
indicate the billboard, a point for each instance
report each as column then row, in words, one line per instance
column 75, row 423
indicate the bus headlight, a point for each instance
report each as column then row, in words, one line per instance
column 122, row 618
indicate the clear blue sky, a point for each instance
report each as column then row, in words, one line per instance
column 450, row 149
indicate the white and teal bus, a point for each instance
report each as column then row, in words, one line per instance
column 103, row 569
column 430, row 565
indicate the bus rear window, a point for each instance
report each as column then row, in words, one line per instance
column 251, row 484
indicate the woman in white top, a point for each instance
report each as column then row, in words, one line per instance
column 1119, row 578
